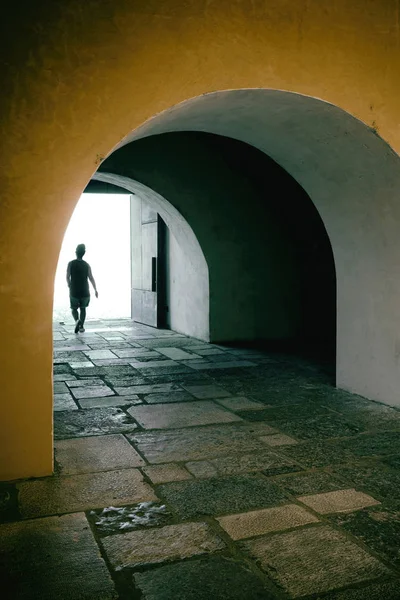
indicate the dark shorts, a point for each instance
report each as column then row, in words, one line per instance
column 79, row 302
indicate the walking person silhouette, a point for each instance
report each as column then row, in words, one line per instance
column 79, row 274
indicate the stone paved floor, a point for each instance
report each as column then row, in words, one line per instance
column 189, row 471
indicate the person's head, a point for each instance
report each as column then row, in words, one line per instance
column 80, row 250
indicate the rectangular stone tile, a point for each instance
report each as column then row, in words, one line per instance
column 206, row 391
column 59, row 387
column 221, row 496
column 64, row 402
column 207, row 578
column 93, row 381
column 72, row 493
column 96, row 453
column 109, row 401
column 81, row 365
column 338, row 501
column 147, row 389
column 180, row 414
column 266, row 461
column 171, row 542
column 165, row 473
column 63, row 377
column 200, row 443
column 126, row 381
column 96, row 421
column 240, row 403
column 176, row 353
column 312, row 561
column 166, row 397
column 54, row 557
column 259, row 522
column 97, row 391
column 99, row 354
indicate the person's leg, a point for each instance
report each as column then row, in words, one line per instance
column 74, row 303
column 82, row 316
column 84, row 302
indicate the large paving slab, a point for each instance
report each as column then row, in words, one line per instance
column 221, row 496
column 258, row 522
column 96, row 421
column 266, row 461
column 312, row 561
column 159, row 388
column 377, row 478
column 181, row 414
column 176, row 353
column 202, row 443
column 54, row 557
column 382, row 590
column 172, row 542
column 212, row 577
column 338, row 501
column 64, row 402
column 97, row 391
column 206, row 391
column 96, row 453
column 72, row 493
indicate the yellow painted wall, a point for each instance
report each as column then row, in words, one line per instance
column 77, row 79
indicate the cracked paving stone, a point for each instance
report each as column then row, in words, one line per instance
column 202, row 579
column 58, row 558
column 72, row 493
column 182, row 414
column 96, row 453
column 220, row 495
column 167, row 543
column 378, row 528
column 311, row 561
column 96, row 421
column 111, row 520
column 202, row 443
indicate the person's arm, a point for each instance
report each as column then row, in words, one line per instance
column 92, row 281
column 69, row 275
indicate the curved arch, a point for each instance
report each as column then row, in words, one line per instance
column 190, row 310
column 352, row 176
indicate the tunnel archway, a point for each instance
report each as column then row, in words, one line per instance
column 351, row 175
column 271, row 268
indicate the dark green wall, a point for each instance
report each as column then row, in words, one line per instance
column 270, row 264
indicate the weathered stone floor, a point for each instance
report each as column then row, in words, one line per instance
column 189, row 471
